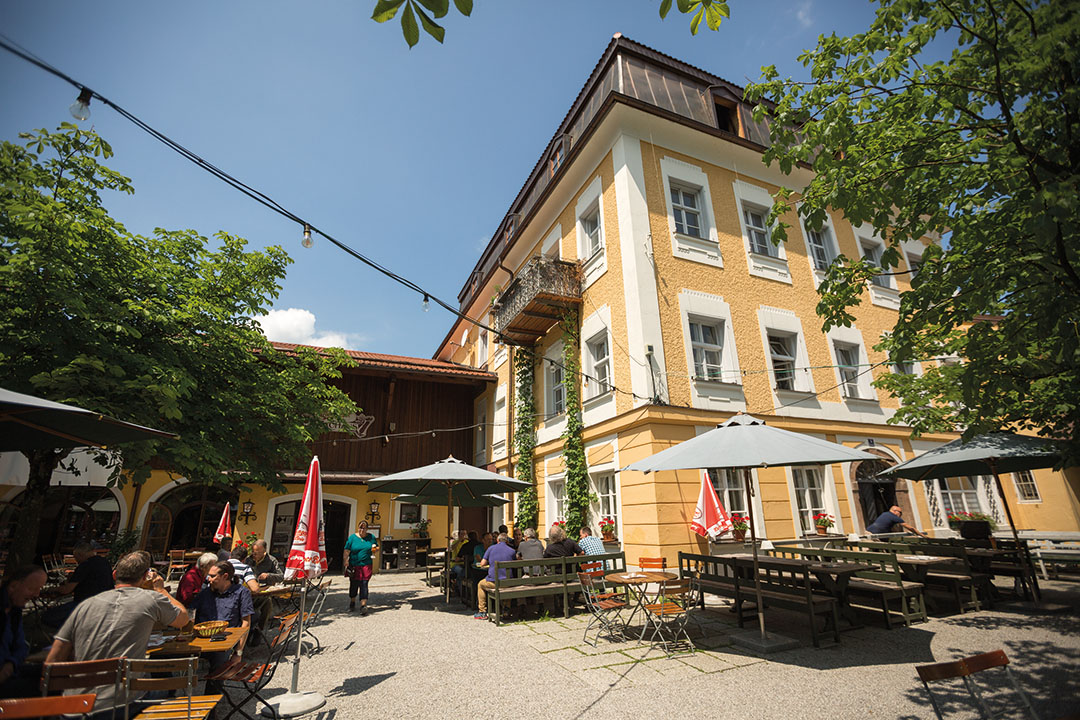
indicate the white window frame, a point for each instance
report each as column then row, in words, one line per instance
column 596, row 479
column 772, row 265
column 482, row 345
column 686, row 205
column 556, row 390
column 556, row 498
column 802, row 480
column 1026, row 479
column 963, row 499
column 882, row 288
column 499, row 425
column 871, row 251
column 783, row 349
column 847, row 368
column 729, row 487
column 703, row 369
column 480, row 454
column 851, row 337
column 704, row 249
column 831, row 246
column 598, row 404
column 598, row 368
column 552, row 246
column 593, row 264
column 777, row 321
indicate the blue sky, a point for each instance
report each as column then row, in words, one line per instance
column 410, row 156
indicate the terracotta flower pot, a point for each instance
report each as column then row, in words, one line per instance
column 608, row 536
column 822, row 530
column 738, row 535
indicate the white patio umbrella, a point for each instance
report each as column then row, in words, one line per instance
column 453, row 475
column 745, row 442
column 306, row 562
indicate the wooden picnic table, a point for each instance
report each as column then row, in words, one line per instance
column 833, row 576
column 198, row 645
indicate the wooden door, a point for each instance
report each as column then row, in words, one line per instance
column 157, row 528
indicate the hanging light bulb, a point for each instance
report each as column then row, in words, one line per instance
column 80, row 109
column 427, row 303
column 307, row 241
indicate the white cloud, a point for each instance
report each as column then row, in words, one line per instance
column 296, row 325
column 803, row 14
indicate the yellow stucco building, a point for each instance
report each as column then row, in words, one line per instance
column 646, row 214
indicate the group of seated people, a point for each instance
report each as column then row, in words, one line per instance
column 474, row 556
column 116, row 618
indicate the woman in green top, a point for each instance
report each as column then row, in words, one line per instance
column 359, row 549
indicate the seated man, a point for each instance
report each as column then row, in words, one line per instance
column 225, row 600
column 224, row 548
column 118, row 622
column 22, row 586
column 588, row 542
column 559, row 545
column 266, row 566
column 499, row 552
column 888, row 520
column 194, row 579
column 93, row 575
column 242, row 572
column 464, row 557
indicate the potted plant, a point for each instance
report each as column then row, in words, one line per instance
column 607, row 528
column 823, row 521
column 739, row 526
column 420, row 528
column 972, row 525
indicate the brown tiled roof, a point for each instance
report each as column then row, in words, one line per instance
column 402, row 363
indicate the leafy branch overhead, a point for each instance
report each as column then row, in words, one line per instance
column 416, row 14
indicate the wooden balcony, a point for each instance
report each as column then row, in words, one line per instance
column 537, row 299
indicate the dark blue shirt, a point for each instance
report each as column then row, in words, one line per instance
column 233, row 605
column 884, row 523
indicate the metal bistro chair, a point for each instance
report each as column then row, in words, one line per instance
column 47, row 706
column 605, row 608
column 85, row 674
column 651, row 563
column 178, row 564
column 669, row 615
column 964, row 668
column 182, row 670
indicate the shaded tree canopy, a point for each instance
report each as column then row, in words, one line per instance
column 980, row 149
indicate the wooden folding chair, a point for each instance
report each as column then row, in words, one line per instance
column 84, row 674
column 178, row 564
column 964, row 668
column 189, row 707
column 670, row 613
column 47, row 706
column 604, row 608
column 250, row 677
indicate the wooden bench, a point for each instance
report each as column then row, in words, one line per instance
column 782, row 585
column 884, row 582
column 960, row 580
column 557, row 578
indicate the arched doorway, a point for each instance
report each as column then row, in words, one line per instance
column 70, row 514
column 185, row 517
column 878, row 494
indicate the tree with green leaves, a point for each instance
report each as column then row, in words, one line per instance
column 428, row 11
column 981, row 149
column 160, row 331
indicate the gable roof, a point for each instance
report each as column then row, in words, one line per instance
column 403, row 363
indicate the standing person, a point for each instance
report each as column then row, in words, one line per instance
column 588, row 542
column 118, row 622
column 359, row 549
column 499, row 552
column 93, row 575
column 16, row 679
column 559, row 545
column 191, row 584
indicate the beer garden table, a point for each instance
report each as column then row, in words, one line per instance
column 637, row 580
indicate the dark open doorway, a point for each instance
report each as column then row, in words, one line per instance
column 336, row 531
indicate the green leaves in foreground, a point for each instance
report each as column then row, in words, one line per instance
column 413, row 9
column 712, row 11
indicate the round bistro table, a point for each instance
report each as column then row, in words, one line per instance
column 638, row 580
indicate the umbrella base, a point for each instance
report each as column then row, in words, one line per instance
column 753, row 641
column 294, row 704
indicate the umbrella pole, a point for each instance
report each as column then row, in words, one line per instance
column 753, row 544
column 1016, row 536
column 295, row 703
column 449, row 516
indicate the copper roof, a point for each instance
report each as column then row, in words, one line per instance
column 402, row 363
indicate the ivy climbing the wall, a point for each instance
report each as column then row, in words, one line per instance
column 525, row 436
column 578, row 497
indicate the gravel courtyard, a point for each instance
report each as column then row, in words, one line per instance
column 414, row 658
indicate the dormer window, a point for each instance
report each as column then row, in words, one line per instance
column 556, row 160
column 727, row 117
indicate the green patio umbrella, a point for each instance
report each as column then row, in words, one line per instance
column 456, row 477
column 993, row 453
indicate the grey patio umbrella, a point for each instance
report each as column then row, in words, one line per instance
column 993, row 453
column 33, row 423
column 745, row 442
column 453, row 475
column 466, row 502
